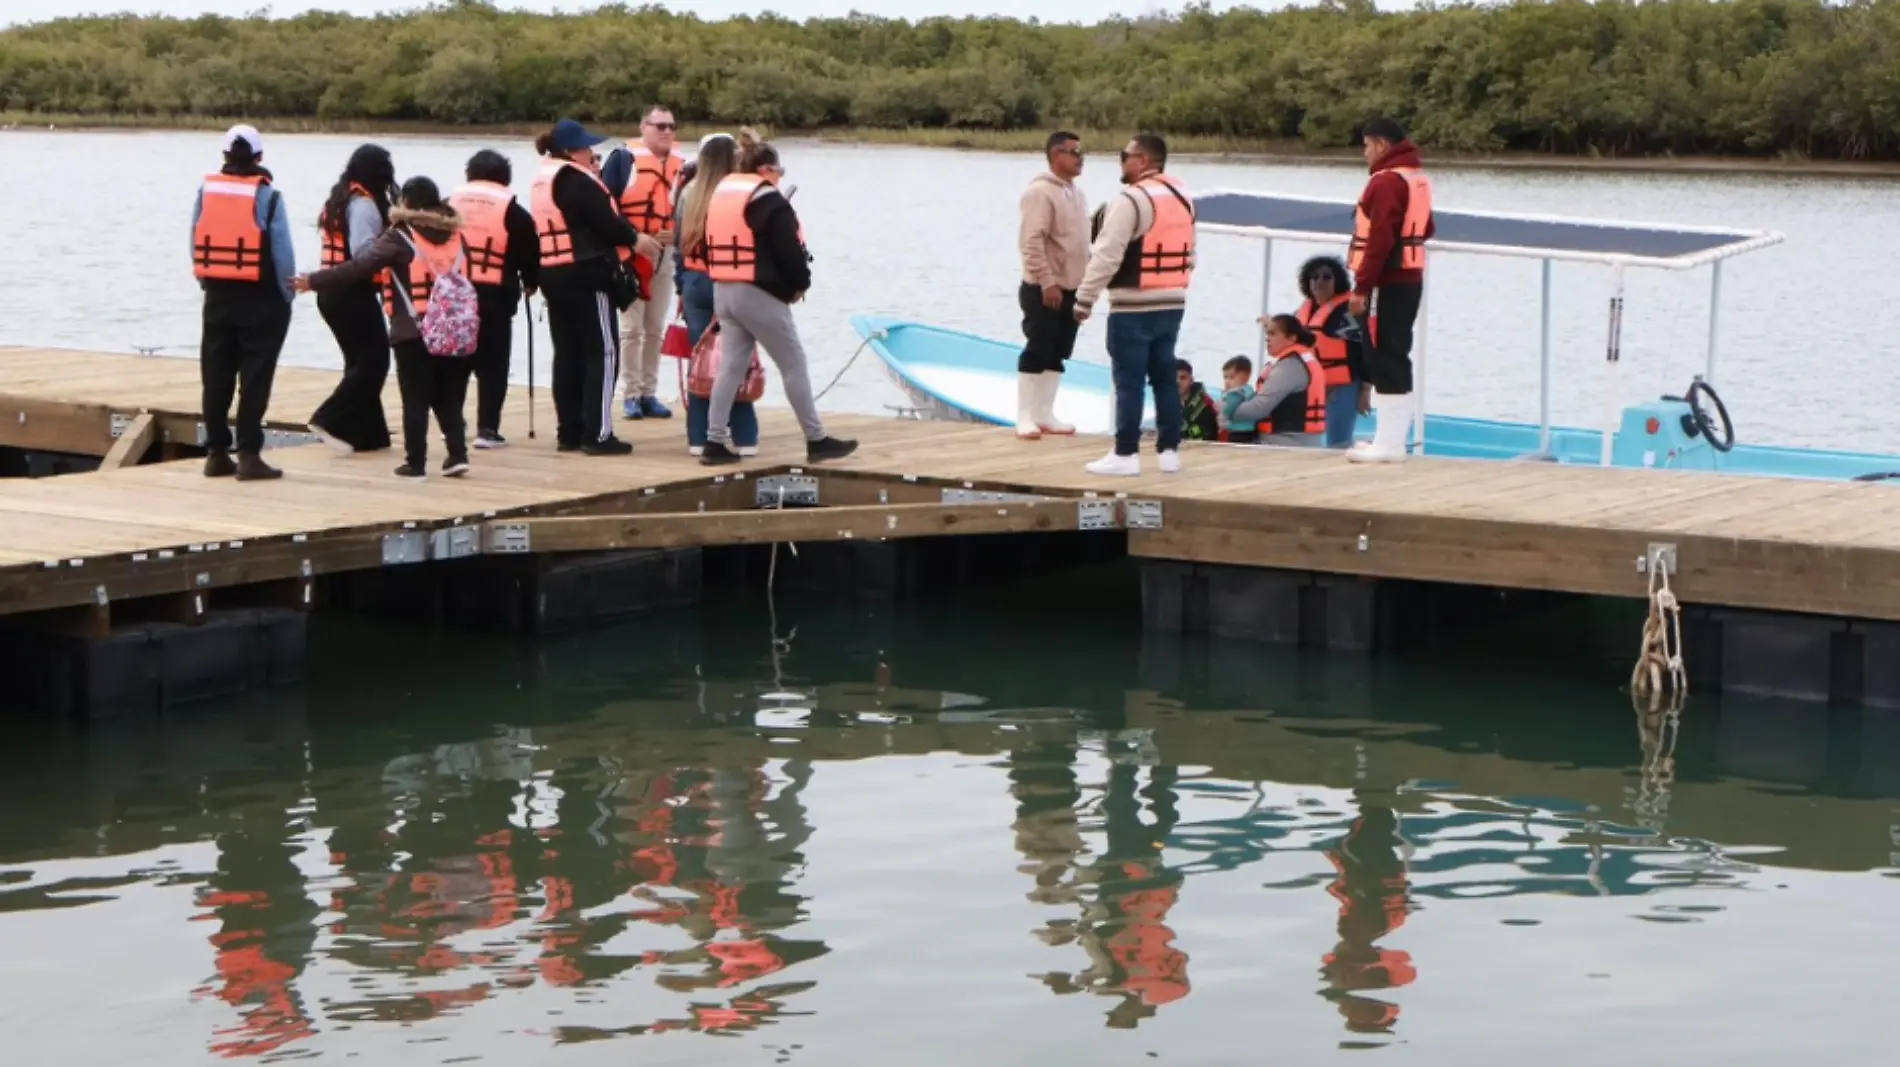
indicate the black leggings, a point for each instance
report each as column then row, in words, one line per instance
column 436, row 384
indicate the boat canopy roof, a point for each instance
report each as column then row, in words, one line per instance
column 1671, row 247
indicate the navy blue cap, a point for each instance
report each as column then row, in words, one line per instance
column 569, row 135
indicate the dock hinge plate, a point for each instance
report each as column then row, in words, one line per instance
column 980, row 496
column 780, row 490
column 455, row 542
column 408, row 546
column 120, row 424
column 509, row 538
column 1095, row 515
column 1142, row 514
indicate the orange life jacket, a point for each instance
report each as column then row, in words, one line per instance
column 1162, row 258
column 1408, row 252
column 550, row 224
column 1294, row 415
column 484, row 210
column 431, row 261
column 227, row 244
column 336, row 240
column 647, row 202
column 732, row 250
column 1330, row 350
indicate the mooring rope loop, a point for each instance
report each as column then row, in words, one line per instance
column 1660, row 676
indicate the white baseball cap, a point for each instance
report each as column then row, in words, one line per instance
column 246, row 133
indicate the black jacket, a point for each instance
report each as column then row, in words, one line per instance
column 784, row 267
column 523, row 268
column 597, row 227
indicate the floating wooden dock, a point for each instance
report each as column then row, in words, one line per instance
column 144, row 527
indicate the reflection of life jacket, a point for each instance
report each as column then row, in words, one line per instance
column 1300, row 412
column 484, row 210
column 227, row 244
column 725, row 910
column 1330, row 350
column 1143, row 949
column 744, row 961
column 1408, row 252
column 254, row 983
column 1162, row 258
column 647, row 202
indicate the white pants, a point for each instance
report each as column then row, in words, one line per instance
column 642, row 329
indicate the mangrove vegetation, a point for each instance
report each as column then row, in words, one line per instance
column 1741, row 77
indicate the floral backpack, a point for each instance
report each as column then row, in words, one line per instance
column 452, row 325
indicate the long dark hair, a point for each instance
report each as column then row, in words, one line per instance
column 369, row 167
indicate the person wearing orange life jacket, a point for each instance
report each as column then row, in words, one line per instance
column 351, row 419
column 1143, row 255
column 422, row 243
column 645, row 178
column 504, row 264
column 1289, row 400
column 241, row 255
column 1338, row 342
column 1390, row 227
column 582, row 238
column 1373, row 888
column 718, row 157
column 755, row 254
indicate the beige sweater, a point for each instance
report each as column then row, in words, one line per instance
column 1054, row 238
column 1127, row 217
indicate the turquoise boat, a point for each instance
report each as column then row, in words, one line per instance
column 949, row 374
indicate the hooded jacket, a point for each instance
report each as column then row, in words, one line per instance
column 1054, row 238
column 1384, row 200
column 393, row 250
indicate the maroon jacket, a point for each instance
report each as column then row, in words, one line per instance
column 1384, row 201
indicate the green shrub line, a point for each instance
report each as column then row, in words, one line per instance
column 1788, row 81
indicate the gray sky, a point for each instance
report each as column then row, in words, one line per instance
column 16, row 11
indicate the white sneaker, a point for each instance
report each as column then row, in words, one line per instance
column 1048, row 386
column 746, row 450
column 1389, row 436
column 1028, row 390
column 1115, row 466
column 1171, row 461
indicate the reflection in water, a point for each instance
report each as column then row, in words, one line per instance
column 603, row 852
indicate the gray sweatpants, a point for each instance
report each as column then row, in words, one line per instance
column 748, row 315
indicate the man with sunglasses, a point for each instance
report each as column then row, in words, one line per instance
column 1143, row 256
column 1054, row 243
column 644, row 178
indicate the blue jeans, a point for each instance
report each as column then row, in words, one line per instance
column 1141, row 357
column 1342, row 415
column 696, row 295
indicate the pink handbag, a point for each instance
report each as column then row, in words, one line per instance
column 704, row 367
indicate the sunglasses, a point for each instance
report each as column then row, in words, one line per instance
column 1076, row 152
column 1127, row 155
column 664, row 125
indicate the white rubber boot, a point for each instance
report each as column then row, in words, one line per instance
column 1389, row 437
column 1028, row 394
column 1046, row 421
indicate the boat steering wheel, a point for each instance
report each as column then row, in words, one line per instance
column 1699, row 391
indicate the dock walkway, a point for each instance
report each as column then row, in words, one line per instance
column 156, row 528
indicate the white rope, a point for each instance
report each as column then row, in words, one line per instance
column 1659, row 675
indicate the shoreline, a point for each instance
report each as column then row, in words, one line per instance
column 1284, row 153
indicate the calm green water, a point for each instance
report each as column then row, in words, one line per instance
column 943, row 835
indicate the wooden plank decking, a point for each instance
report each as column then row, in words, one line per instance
column 1826, row 548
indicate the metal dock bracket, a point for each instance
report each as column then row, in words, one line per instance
column 1096, row 515
column 1142, row 514
column 509, row 539
column 776, row 490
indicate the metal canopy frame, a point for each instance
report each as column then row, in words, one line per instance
column 1619, row 261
